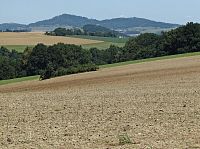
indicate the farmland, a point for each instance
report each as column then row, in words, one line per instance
column 19, row 41
column 154, row 104
column 107, row 41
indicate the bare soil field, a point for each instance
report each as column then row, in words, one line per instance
column 33, row 38
column 155, row 104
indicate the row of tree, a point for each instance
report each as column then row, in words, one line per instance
column 89, row 30
column 19, row 30
column 64, row 32
column 62, row 59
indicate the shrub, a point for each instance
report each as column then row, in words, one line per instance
column 124, row 139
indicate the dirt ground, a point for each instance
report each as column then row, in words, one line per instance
column 33, row 38
column 155, row 104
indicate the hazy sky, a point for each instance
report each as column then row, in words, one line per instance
column 28, row 11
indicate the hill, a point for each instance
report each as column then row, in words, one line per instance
column 13, row 26
column 67, row 20
column 125, row 23
column 117, row 23
column 92, row 110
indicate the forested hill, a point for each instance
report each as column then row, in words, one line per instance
column 65, row 20
column 124, row 23
column 13, row 26
column 117, row 23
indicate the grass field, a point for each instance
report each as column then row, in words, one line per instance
column 154, row 105
column 120, row 42
column 150, row 59
column 19, row 48
column 105, row 39
column 102, row 45
column 17, row 80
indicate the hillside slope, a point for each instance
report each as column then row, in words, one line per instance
column 155, row 104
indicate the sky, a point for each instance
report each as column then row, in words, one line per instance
column 171, row 11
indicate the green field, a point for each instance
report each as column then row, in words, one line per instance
column 3, row 82
column 120, row 42
column 105, row 39
column 19, row 48
column 102, row 45
column 150, row 59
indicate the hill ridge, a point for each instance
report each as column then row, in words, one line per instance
column 69, row 20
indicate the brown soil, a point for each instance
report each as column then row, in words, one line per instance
column 157, row 104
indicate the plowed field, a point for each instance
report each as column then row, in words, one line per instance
column 155, row 104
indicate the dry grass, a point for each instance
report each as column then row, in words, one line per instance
column 33, row 38
column 156, row 104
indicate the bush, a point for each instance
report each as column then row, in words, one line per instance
column 124, row 139
column 50, row 72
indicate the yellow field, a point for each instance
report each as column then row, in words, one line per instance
column 33, row 38
column 156, row 104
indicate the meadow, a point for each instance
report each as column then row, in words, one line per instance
column 16, row 80
column 107, row 41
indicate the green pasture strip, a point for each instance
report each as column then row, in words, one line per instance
column 103, row 45
column 17, row 80
column 18, row 48
column 150, row 59
column 106, row 39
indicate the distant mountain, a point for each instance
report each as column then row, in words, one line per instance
column 125, row 23
column 117, row 23
column 13, row 26
column 67, row 20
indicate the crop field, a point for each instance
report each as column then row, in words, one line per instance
column 33, row 38
column 19, row 41
column 145, row 105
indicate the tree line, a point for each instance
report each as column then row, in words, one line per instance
column 184, row 39
column 46, row 61
column 88, row 30
column 62, row 59
column 18, row 30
